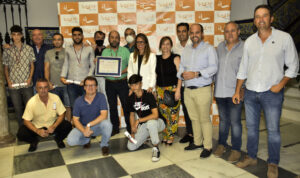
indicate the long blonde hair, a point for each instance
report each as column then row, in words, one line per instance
column 147, row 50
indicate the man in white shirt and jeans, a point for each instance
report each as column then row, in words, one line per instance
column 264, row 56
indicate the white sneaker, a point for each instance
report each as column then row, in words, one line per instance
column 155, row 154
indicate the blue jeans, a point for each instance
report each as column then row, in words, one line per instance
column 62, row 92
column 230, row 115
column 271, row 104
column 74, row 91
column 104, row 128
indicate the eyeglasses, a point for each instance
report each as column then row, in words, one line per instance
column 140, row 42
column 56, row 55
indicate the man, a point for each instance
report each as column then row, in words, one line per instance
column 229, row 53
column 130, row 39
column 197, row 68
column 54, row 60
column 40, row 50
column 44, row 115
column 264, row 56
column 148, row 124
column 90, row 117
column 183, row 37
column 78, row 64
column 18, row 68
column 99, row 38
column 117, row 86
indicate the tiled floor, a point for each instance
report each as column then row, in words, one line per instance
column 49, row 161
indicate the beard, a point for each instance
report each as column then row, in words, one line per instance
column 78, row 42
column 114, row 44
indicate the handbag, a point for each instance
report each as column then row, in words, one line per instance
column 169, row 96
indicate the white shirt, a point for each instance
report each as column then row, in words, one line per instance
column 178, row 48
column 263, row 63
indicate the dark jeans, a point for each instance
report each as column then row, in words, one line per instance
column 61, row 132
column 62, row 92
column 230, row 115
column 271, row 104
column 19, row 98
column 113, row 89
column 188, row 123
column 74, row 92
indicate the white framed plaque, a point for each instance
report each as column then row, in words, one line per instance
column 108, row 66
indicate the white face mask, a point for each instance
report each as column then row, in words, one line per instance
column 129, row 39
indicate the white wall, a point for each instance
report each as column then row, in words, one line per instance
column 243, row 9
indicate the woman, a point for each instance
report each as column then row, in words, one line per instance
column 166, row 69
column 143, row 62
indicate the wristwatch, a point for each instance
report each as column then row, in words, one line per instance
column 88, row 125
column 199, row 74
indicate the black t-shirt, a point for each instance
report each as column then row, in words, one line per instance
column 140, row 59
column 143, row 105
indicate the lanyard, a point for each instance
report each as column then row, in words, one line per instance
column 78, row 59
column 112, row 51
column 18, row 55
column 140, row 110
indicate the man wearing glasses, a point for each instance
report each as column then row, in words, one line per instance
column 54, row 60
column 90, row 117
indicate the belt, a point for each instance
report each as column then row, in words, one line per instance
column 195, row 87
column 115, row 81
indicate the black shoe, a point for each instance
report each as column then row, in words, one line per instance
column 60, row 143
column 186, row 139
column 192, row 146
column 114, row 132
column 205, row 153
column 93, row 137
column 32, row 147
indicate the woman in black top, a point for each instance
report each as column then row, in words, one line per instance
column 166, row 70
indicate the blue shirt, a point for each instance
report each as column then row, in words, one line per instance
column 39, row 62
column 89, row 112
column 201, row 59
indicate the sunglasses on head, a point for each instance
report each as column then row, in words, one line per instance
column 56, row 55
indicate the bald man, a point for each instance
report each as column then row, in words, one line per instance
column 117, row 86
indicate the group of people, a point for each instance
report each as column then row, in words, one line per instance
column 186, row 70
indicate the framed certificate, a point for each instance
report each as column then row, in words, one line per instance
column 108, row 66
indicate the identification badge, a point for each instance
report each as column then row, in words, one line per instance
column 54, row 106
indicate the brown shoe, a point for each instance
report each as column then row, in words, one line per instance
column 234, row 156
column 86, row 146
column 272, row 170
column 219, row 151
column 247, row 162
column 105, row 151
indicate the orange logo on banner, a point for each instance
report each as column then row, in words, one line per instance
column 165, row 17
column 126, row 18
column 88, row 19
column 222, row 4
column 209, row 39
column 146, row 5
column 219, row 28
column 147, row 29
column 66, row 31
column 184, row 5
column 68, row 8
column 89, row 39
column 108, row 28
column 107, row 6
column 204, row 16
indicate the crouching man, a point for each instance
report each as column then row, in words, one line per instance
column 147, row 124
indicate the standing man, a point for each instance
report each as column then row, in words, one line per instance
column 183, row 37
column 90, row 117
column 117, row 86
column 230, row 54
column 99, row 38
column 130, row 38
column 78, row 64
column 265, row 54
column 44, row 115
column 54, row 60
column 40, row 50
column 18, row 68
column 198, row 65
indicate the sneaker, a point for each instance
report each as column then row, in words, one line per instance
column 248, row 161
column 234, row 156
column 155, row 154
column 33, row 146
column 60, row 143
column 272, row 170
column 88, row 145
column 219, row 151
column 105, row 151
column 186, row 139
column 192, row 146
column 205, row 153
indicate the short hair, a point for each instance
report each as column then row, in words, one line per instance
column 100, row 33
column 77, row 29
column 264, row 6
column 135, row 79
column 41, row 80
column 129, row 29
column 184, row 25
column 232, row 22
column 163, row 39
column 16, row 28
column 62, row 37
column 90, row 78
